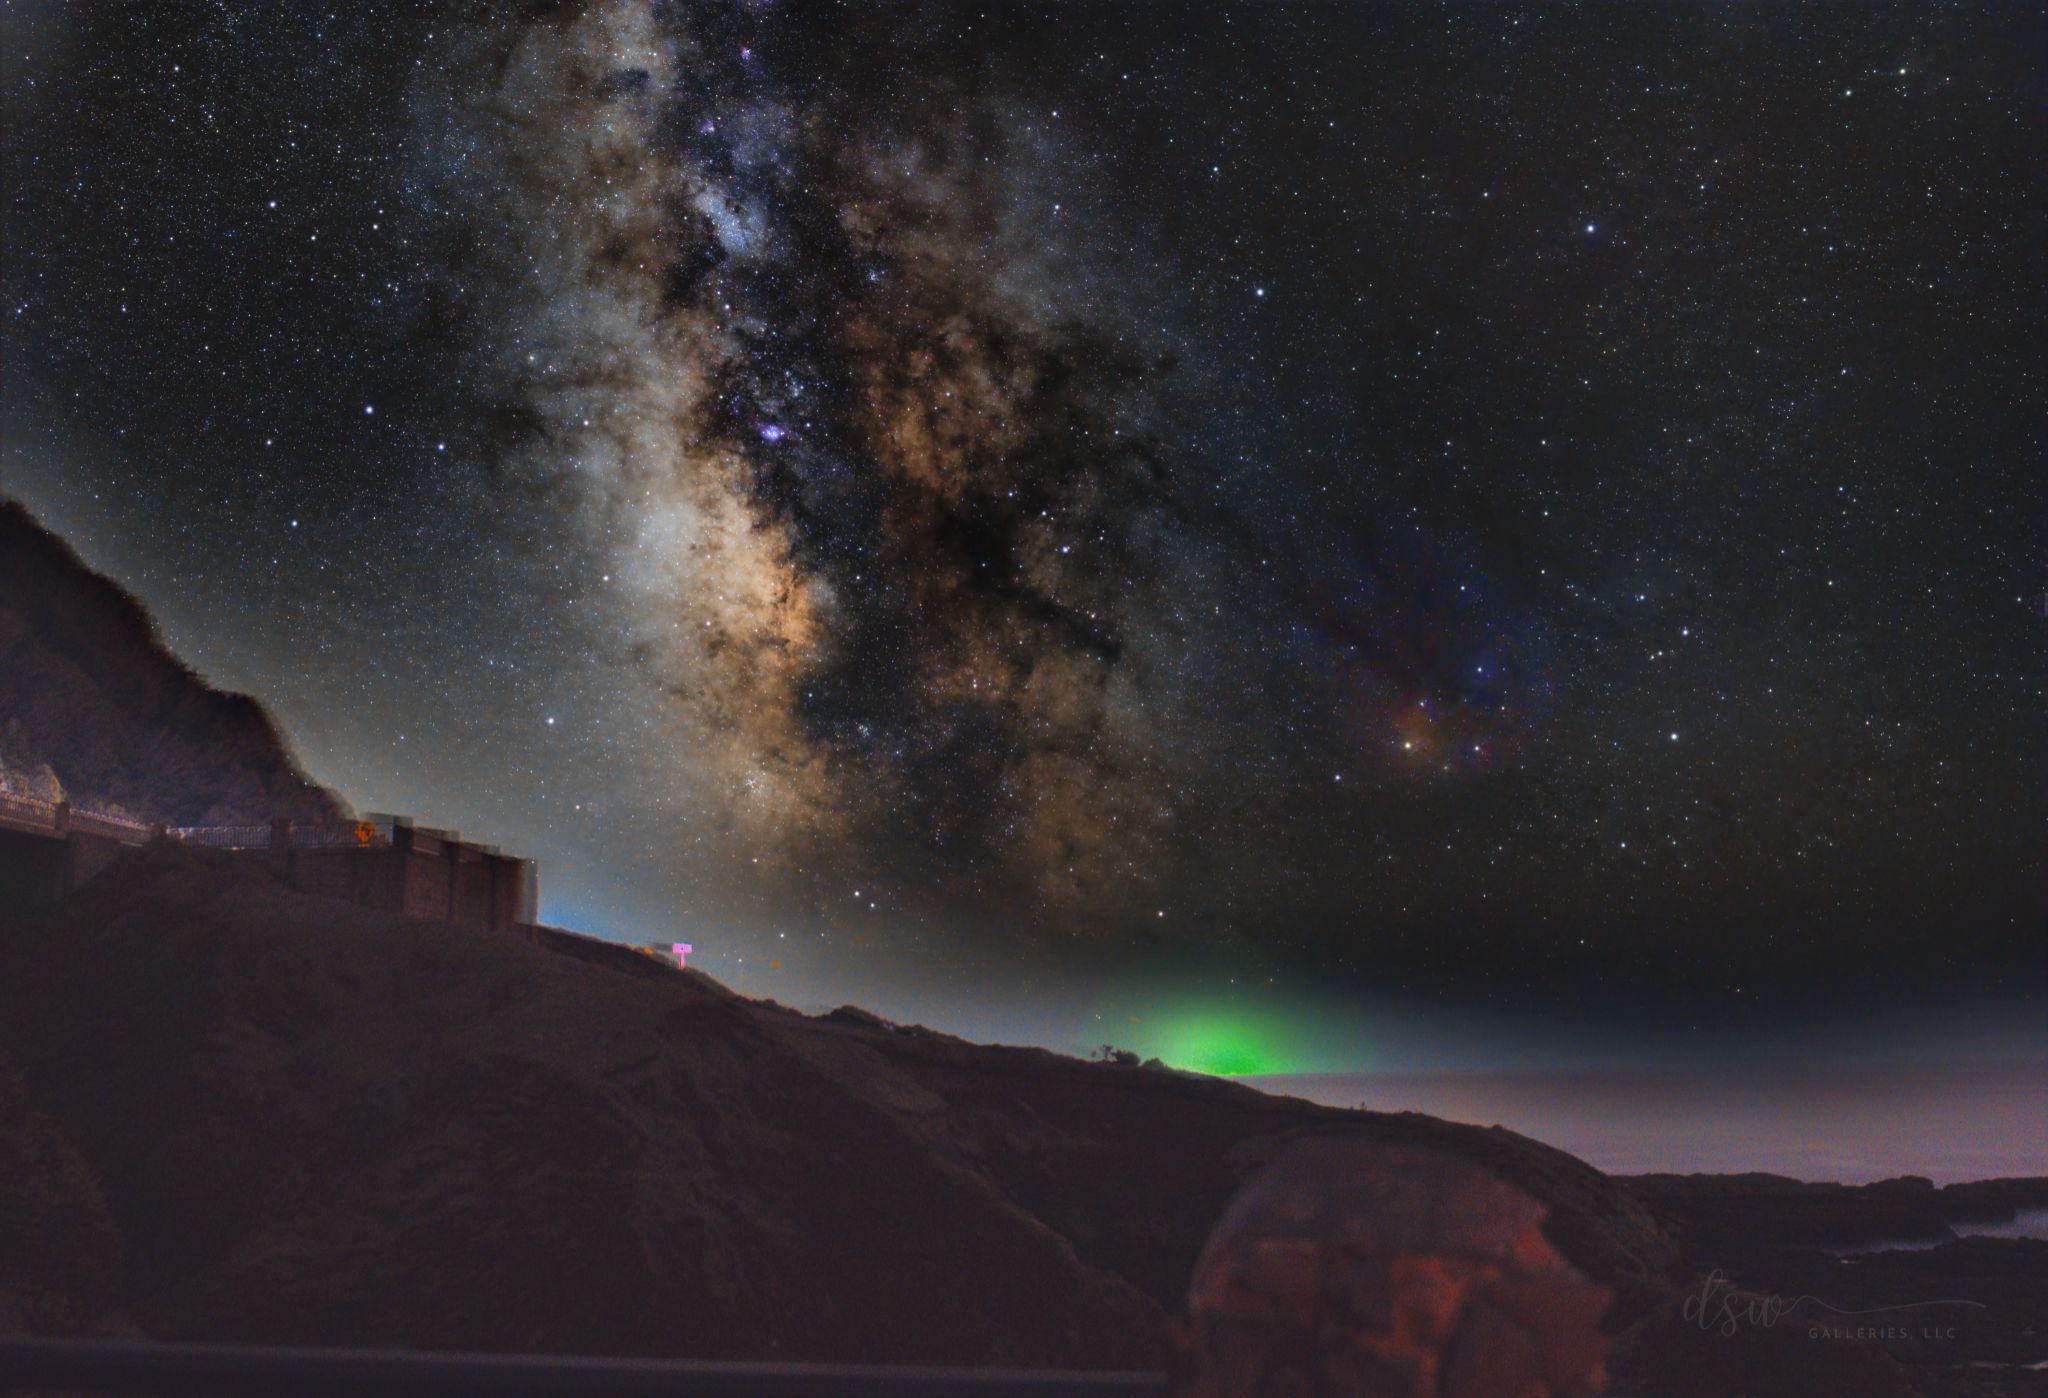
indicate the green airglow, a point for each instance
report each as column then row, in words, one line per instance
column 1246, row 1027
column 1225, row 1043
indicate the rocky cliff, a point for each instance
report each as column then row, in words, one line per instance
column 94, row 709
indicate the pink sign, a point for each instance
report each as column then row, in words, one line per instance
column 681, row 949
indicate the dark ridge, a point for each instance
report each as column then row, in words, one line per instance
column 285, row 1119
column 95, row 710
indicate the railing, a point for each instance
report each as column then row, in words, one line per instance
column 265, row 836
column 362, row 834
column 232, row 1371
column 36, row 813
column 100, row 823
column 221, row 836
column 61, row 817
column 27, row 810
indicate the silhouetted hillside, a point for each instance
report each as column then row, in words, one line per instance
column 238, row 1112
column 282, row 1118
column 94, row 709
column 233, row 1111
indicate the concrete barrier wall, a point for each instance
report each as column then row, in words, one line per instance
column 363, row 876
column 426, row 885
column 37, row 868
column 510, row 905
column 34, row 869
column 428, row 878
column 91, row 854
column 469, row 893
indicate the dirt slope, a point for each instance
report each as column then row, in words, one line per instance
column 310, row 1123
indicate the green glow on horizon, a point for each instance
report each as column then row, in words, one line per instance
column 1227, row 1043
column 1245, row 1029
column 1240, row 1036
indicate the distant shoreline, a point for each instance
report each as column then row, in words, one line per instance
column 1849, row 1124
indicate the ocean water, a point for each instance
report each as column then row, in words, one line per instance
column 1851, row 1124
column 2027, row 1223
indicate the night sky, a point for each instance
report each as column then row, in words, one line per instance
column 1355, row 520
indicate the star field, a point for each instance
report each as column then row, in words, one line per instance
column 1514, row 506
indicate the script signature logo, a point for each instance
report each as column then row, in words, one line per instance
column 1719, row 1306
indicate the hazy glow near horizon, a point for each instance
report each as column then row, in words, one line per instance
column 1225, row 1045
column 1248, row 1031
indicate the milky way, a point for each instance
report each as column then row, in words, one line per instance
column 1517, row 507
column 871, row 456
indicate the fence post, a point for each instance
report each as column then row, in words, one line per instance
column 60, row 818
